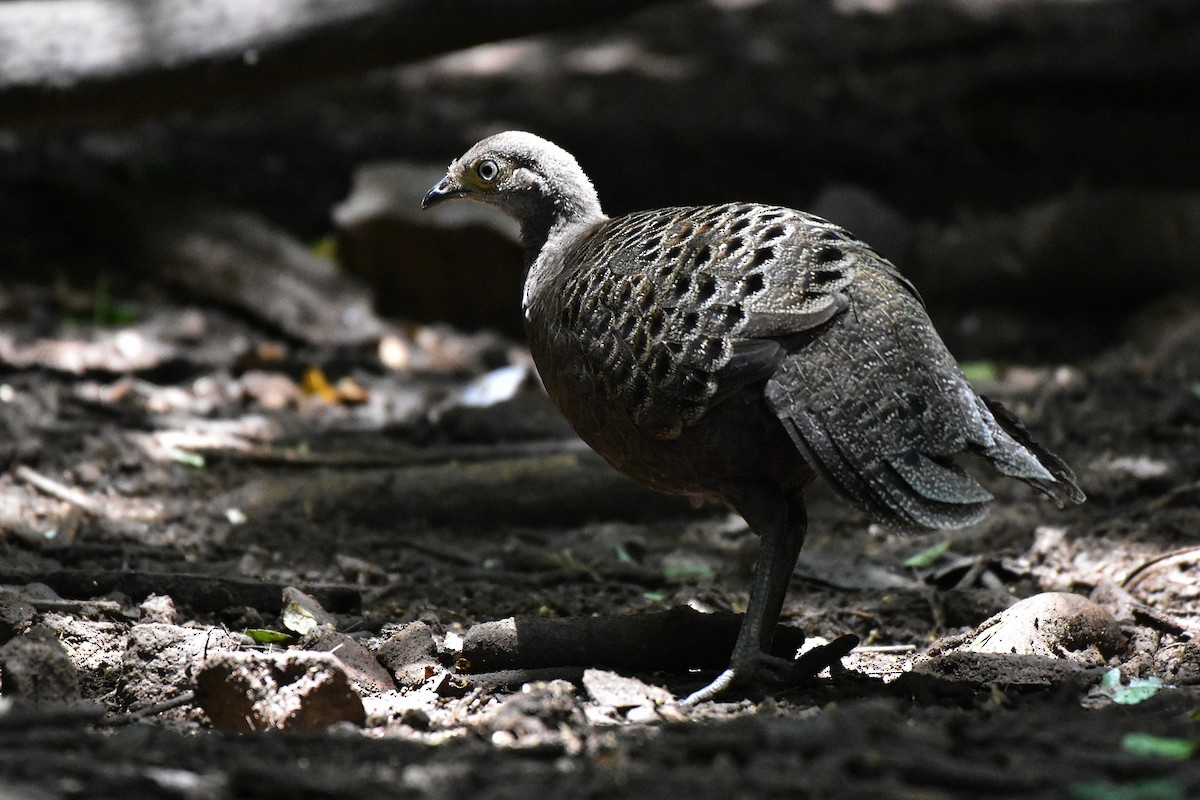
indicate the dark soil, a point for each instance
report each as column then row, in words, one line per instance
column 295, row 497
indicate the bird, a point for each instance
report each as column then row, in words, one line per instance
column 736, row 353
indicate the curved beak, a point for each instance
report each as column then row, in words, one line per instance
column 444, row 189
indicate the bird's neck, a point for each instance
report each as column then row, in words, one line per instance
column 547, row 238
column 555, row 214
column 555, row 208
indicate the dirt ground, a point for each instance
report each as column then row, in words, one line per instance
column 151, row 519
column 249, row 551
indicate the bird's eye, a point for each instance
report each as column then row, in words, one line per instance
column 487, row 170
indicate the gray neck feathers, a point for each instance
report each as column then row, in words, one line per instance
column 559, row 207
column 564, row 200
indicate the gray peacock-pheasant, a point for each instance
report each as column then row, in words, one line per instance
column 735, row 352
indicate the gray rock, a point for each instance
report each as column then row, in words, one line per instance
column 36, row 668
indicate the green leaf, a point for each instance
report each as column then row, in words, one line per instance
column 325, row 248
column 1147, row 744
column 1154, row 789
column 264, row 636
column 106, row 310
column 187, row 457
column 979, row 370
column 654, row 597
column 1139, row 689
column 680, row 573
column 101, row 300
column 929, row 556
column 623, row 555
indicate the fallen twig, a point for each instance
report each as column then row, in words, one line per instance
column 187, row 698
column 60, row 490
column 678, row 639
column 203, row 593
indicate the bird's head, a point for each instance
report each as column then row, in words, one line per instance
column 534, row 180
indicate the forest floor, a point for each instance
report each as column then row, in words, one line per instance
column 155, row 513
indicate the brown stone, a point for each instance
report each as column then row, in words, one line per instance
column 366, row 674
column 291, row 691
column 409, row 653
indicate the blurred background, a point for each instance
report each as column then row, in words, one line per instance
column 1032, row 165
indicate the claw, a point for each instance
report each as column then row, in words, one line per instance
column 773, row 672
column 723, row 681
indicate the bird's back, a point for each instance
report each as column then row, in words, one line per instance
column 668, row 336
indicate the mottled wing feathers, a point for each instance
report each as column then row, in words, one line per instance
column 680, row 307
column 879, row 406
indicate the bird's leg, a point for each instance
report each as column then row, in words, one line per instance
column 780, row 525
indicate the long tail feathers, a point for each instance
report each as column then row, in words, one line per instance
column 1056, row 480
